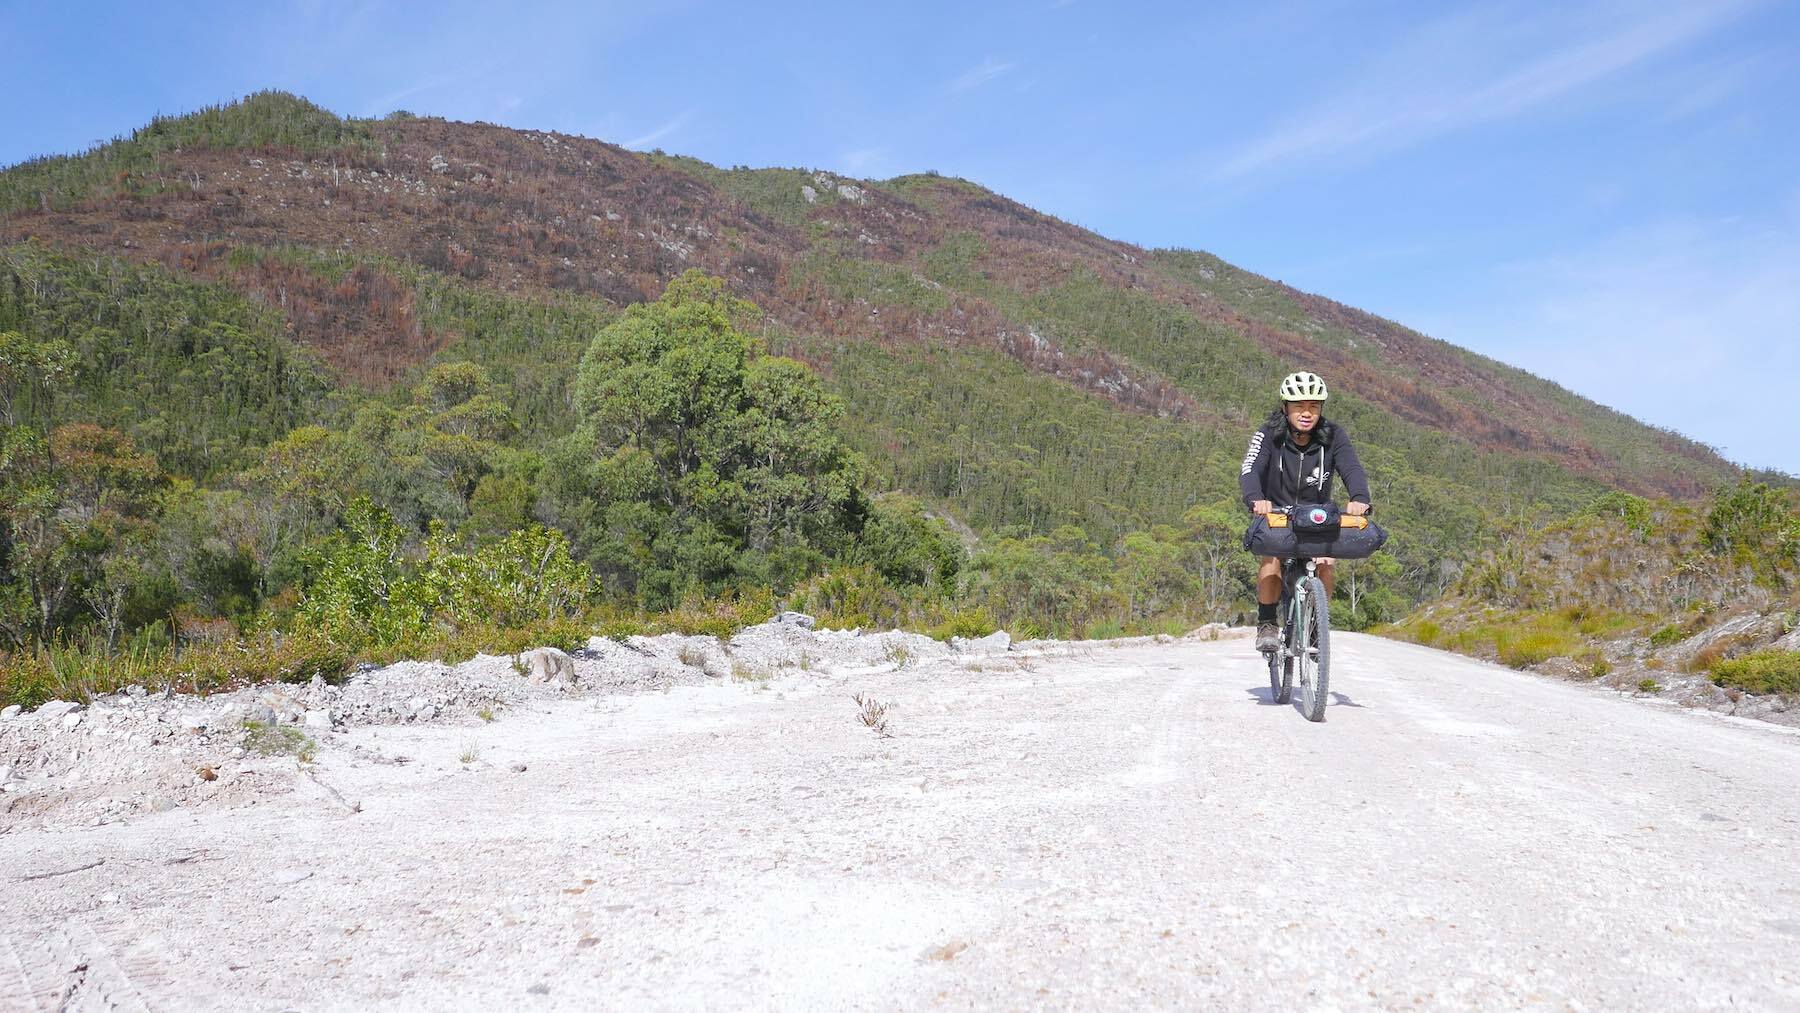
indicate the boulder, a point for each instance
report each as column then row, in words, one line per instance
column 548, row 665
column 993, row 643
column 799, row 619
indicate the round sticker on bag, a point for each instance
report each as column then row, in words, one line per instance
column 1318, row 516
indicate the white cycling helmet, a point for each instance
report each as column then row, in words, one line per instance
column 1303, row 387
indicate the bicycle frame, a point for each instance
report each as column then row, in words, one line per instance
column 1294, row 599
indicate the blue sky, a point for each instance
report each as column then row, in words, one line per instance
column 1604, row 193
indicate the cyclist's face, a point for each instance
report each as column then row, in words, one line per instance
column 1303, row 415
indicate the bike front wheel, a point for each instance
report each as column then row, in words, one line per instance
column 1281, row 676
column 1314, row 659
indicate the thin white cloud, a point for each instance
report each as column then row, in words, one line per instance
column 1712, row 84
column 637, row 143
column 391, row 101
column 979, row 75
column 1424, row 87
column 1677, row 323
column 863, row 161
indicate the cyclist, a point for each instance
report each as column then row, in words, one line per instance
column 1291, row 459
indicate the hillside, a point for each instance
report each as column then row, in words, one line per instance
column 1697, row 604
column 244, row 274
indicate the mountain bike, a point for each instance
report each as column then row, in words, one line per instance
column 1297, row 535
column 1304, row 650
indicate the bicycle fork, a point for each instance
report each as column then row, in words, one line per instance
column 1300, row 639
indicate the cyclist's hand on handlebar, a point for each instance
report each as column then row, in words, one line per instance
column 1356, row 508
column 1261, row 506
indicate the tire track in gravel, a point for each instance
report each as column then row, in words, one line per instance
column 90, row 963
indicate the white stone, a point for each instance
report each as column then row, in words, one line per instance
column 55, row 709
column 548, row 665
column 318, row 719
column 992, row 643
column 9, row 713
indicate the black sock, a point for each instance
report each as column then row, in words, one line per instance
column 1265, row 613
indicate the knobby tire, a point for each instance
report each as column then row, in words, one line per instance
column 1281, row 676
column 1315, row 673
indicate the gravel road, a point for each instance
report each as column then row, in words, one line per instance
column 1097, row 827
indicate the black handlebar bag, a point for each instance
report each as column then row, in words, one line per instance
column 1315, row 518
column 1271, row 535
column 1312, row 530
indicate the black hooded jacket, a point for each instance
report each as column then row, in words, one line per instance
column 1277, row 470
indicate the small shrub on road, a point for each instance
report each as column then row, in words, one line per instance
column 872, row 713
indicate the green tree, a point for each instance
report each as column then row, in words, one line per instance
column 363, row 592
column 1150, row 574
column 908, row 546
column 1043, row 585
column 1756, row 526
column 449, row 437
column 29, row 368
column 299, row 492
column 699, row 463
column 76, row 510
column 1215, row 554
column 524, row 577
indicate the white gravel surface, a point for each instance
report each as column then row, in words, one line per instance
column 1120, row 825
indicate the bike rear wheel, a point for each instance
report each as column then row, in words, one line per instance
column 1314, row 660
